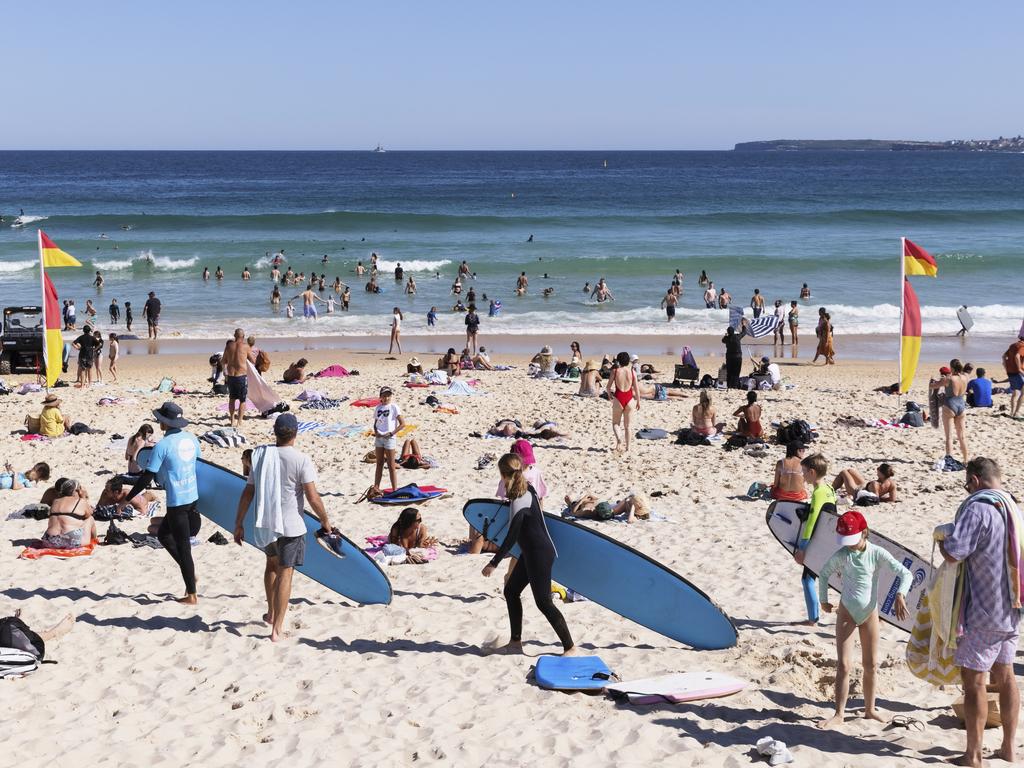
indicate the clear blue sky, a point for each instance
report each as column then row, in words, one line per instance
column 430, row 74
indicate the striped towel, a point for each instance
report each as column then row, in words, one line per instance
column 764, row 325
column 310, row 426
column 224, row 438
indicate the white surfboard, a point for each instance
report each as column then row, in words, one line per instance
column 965, row 318
column 677, row 687
column 785, row 525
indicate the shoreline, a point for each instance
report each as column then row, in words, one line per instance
column 855, row 347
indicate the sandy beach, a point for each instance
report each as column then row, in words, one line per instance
column 143, row 681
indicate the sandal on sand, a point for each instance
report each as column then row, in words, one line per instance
column 910, row 723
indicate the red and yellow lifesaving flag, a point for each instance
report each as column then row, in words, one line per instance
column 53, row 345
column 916, row 261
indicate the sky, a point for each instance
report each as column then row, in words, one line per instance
column 444, row 75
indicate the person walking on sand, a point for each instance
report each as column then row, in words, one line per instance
column 396, row 330
column 236, row 375
column 1013, row 363
column 282, row 477
column 624, row 394
column 978, row 539
column 857, row 561
column 537, row 555
column 173, row 462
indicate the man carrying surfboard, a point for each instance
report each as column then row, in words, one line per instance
column 282, row 477
column 173, row 462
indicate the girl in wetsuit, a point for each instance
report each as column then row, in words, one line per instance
column 537, row 554
column 624, row 393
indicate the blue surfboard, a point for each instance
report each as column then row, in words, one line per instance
column 349, row 571
column 572, row 673
column 618, row 577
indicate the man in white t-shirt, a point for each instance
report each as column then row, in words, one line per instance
column 282, row 478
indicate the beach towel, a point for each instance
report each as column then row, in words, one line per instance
column 928, row 656
column 249, row 406
column 340, row 430
column 260, row 394
column 309, row 426
column 28, row 387
column 415, row 384
column 445, row 408
column 764, row 325
column 39, row 549
column 460, row 388
column 367, row 402
column 165, row 385
column 400, row 433
column 309, row 395
column 224, row 438
column 437, row 377
column 266, row 501
column 331, row 371
column 323, row 404
column 885, row 424
column 652, row 434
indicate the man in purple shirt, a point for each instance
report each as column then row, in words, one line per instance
column 989, row 642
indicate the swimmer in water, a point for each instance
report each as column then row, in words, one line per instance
column 669, row 304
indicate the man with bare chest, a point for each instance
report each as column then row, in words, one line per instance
column 236, row 375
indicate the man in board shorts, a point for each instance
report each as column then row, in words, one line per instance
column 236, row 375
column 1013, row 362
column 279, row 526
column 988, row 647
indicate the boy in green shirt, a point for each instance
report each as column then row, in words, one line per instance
column 815, row 468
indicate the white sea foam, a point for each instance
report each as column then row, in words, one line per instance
column 22, row 221
column 17, row 266
column 146, row 258
column 412, row 265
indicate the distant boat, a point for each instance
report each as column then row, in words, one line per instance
column 380, row 149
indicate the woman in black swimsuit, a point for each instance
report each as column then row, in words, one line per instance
column 537, row 554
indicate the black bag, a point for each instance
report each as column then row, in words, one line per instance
column 14, row 633
column 913, row 419
column 706, row 381
column 37, row 511
column 114, row 535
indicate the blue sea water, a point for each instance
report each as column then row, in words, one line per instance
column 153, row 220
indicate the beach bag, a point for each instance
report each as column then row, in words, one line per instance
column 14, row 663
column 32, row 425
column 912, row 419
column 928, row 657
column 15, row 635
column 114, row 535
column 262, row 362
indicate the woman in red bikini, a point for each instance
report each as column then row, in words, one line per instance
column 625, row 398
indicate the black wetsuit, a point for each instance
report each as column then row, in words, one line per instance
column 537, row 554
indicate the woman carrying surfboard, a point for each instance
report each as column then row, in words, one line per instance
column 537, row 554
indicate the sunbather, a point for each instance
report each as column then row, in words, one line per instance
column 411, row 456
column 11, row 480
column 703, row 416
column 71, row 524
column 590, row 507
column 651, row 391
column 543, row 430
column 851, row 481
column 749, row 424
column 296, row 372
column 590, row 380
column 789, row 475
column 114, row 494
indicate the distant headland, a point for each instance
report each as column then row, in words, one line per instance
column 1002, row 144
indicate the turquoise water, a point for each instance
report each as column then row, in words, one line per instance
column 153, row 220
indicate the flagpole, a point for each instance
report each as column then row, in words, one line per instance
column 42, row 295
column 903, row 277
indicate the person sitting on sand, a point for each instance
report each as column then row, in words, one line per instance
column 702, row 418
column 141, row 439
column 788, row 484
column 15, row 481
column 413, row 366
column 449, row 363
column 114, row 494
column 851, row 481
column 465, row 360
column 410, row 532
column 545, row 362
column 296, row 372
column 52, row 421
column 590, row 380
column 651, row 391
column 749, row 424
column 482, row 361
column 411, row 457
column 588, row 507
column 71, row 524
column 979, row 390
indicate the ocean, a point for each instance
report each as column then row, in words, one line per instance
column 773, row 221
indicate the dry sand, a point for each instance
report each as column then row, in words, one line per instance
column 144, row 681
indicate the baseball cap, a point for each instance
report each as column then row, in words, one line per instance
column 286, row 422
column 945, row 370
column 849, row 528
column 385, row 391
column 525, row 451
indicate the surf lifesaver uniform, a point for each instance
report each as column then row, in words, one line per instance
column 823, row 497
column 527, row 528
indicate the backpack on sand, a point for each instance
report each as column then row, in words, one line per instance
column 16, row 635
column 15, row 663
